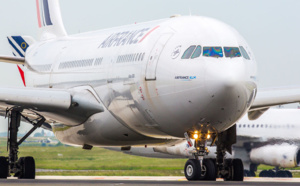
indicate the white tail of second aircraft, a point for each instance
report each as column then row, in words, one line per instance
column 49, row 20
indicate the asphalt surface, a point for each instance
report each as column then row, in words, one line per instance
column 146, row 181
column 133, row 182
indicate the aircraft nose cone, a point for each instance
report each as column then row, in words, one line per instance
column 229, row 91
column 223, row 82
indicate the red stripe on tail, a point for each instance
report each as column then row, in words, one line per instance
column 22, row 75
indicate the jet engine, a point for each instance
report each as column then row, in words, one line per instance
column 282, row 155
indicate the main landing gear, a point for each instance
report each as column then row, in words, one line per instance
column 199, row 168
column 276, row 173
column 24, row 167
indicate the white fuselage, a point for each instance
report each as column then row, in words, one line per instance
column 274, row 125
column 149, row 93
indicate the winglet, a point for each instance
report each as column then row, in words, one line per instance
column 49, row 19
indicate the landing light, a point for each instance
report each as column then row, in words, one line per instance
column 195, row 136
column 208, row 136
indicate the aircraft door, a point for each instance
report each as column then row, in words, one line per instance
column 155, row 55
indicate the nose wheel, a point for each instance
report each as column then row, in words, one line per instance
column 192, row 170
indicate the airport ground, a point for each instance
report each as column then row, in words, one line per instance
column 63, row 160
column 145, row 181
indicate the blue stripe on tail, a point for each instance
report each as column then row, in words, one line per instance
column 47, row 13
column 15, row 47
column 21, row 42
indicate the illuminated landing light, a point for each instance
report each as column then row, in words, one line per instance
column 195, row 136
column 208, row 136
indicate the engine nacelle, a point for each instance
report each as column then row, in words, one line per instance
column 281, row 155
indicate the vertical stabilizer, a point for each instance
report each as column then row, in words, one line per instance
column 49, row 20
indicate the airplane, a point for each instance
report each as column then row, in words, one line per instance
column 272, row 140
column 153, row 83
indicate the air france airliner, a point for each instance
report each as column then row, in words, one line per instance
column 152, row 83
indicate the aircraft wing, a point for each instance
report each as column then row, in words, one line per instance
column 70, row 107
column 275, row 96
column 269, row 97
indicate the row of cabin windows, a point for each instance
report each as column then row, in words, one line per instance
column 231, row 52
column 265, row 126
column 89, row 62
column 76, row 64
column 80, row 63
column 98, row 61
column 131, row 57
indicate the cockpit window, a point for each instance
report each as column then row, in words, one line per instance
column 213, row 52
column 232, row 52
column 187, row 54
column 197, row 52
column 244, row 53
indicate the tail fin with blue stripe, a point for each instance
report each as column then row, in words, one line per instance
column 49, row 19
column 19, row 44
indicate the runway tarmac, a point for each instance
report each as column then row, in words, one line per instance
column 140, row 180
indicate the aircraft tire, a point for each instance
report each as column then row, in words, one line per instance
column 281, row 174
column 28, row 168
column 252, row 174
column 192, row 170
column 238, row 170
column 248, row 173
column 271, row 173
column 290, row 175
column 208, row 171
column 267, row 173
column 3, row 167
column 263, row 174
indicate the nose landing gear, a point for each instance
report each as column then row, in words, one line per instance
column 199, row 168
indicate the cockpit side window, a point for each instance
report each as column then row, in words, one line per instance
column 232, row 52
column 187, row 54
column 197, row 52
column 213, row 52
column 244, row 53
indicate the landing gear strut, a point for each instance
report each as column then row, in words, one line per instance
column 24, row 167
column 199, row 168
column 210, row 169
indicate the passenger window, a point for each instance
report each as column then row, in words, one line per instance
column 197, row 52
column 232, row 52
column 213, row 52
column 244, row 53
column 187, row 54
